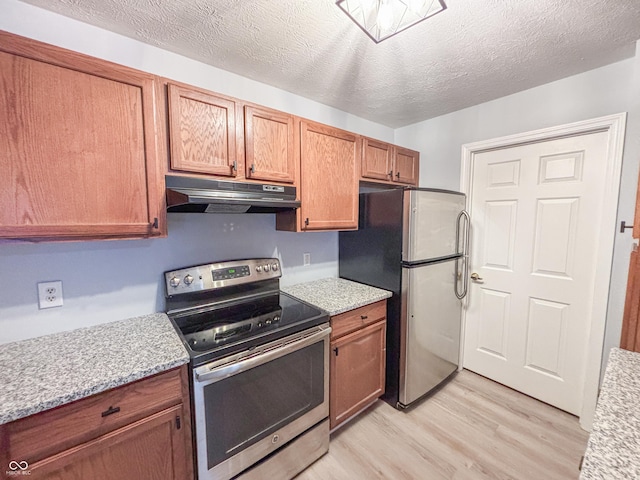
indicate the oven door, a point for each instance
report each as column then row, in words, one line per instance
column 251, row 404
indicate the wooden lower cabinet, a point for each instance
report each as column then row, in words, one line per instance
column 630, row 336
column 150, row 449
column 141, row 430
column 357, row 369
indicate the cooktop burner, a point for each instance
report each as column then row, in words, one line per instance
column 221, row 316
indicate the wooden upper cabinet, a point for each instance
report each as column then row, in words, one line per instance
column 269, row 145
column 330, row 161
column 79, row 153
column 202, row 132
column 376, row 160
column 406, row 166
column 383, row 162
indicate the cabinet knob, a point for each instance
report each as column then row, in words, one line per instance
column 391, row 173
column 364, row 317
column 398, row 175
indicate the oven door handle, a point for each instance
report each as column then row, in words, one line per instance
column 212, row 373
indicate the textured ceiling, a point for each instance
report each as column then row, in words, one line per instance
column 474, row 51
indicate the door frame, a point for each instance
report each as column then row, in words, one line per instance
column 614, row 125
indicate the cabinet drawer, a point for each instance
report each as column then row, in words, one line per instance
column 353, row 320
column 44, row 434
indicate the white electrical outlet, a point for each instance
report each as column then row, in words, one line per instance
column 50, row 294
column 306, row 259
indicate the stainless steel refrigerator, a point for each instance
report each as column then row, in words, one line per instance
column 413, row 242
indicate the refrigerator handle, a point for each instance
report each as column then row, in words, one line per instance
column 465, row 253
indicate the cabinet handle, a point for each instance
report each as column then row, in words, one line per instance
column 178, row 424
column 336, row 351
column 306, row 221
column 234, row 166
column 364, row 317
column 391, row 173
column 253, row 168
column 110, row 411
column 623, row 226
column 155, row 223
column 398, row 175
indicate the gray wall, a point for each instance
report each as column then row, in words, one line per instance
column 111, row 280
column 106, row 281
column 611, row 89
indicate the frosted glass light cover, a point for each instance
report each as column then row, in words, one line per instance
column 381, row 19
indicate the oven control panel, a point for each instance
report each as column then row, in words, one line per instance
column 219, row 275
column 230, row 273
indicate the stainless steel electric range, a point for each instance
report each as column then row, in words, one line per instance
column 259, row 369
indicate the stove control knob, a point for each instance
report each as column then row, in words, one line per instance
column 276, row 318
column 188, row 280
column 267, row 321
column 259, row 269
column 267, row 267
column 274, row 267
column 174, row 282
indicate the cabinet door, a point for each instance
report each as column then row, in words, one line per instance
column 630, row 335
column 406, row 168
column 329, row 177
column 376, row 160
column 202, row 132
column 269, row 150
column 150, row 449
column 357, row 371
column 78, row 150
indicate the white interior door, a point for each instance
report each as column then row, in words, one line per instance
column 535, row 213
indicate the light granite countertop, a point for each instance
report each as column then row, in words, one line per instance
column 336, row 295
column 45, row 372
column 613, row 451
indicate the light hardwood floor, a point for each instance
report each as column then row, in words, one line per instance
column 472, row 428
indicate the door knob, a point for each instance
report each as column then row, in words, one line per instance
column 476, row 278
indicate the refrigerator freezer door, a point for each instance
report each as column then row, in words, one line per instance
column 430, row 330
column 430, row 223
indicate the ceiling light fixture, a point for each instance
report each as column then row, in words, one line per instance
column 381, row 19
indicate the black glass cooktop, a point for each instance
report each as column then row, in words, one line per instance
column 230, row 328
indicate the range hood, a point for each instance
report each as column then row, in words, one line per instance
column 201, row 195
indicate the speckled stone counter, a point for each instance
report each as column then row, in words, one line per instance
column 613, row 451
column 46, row 372
column 336, row 295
